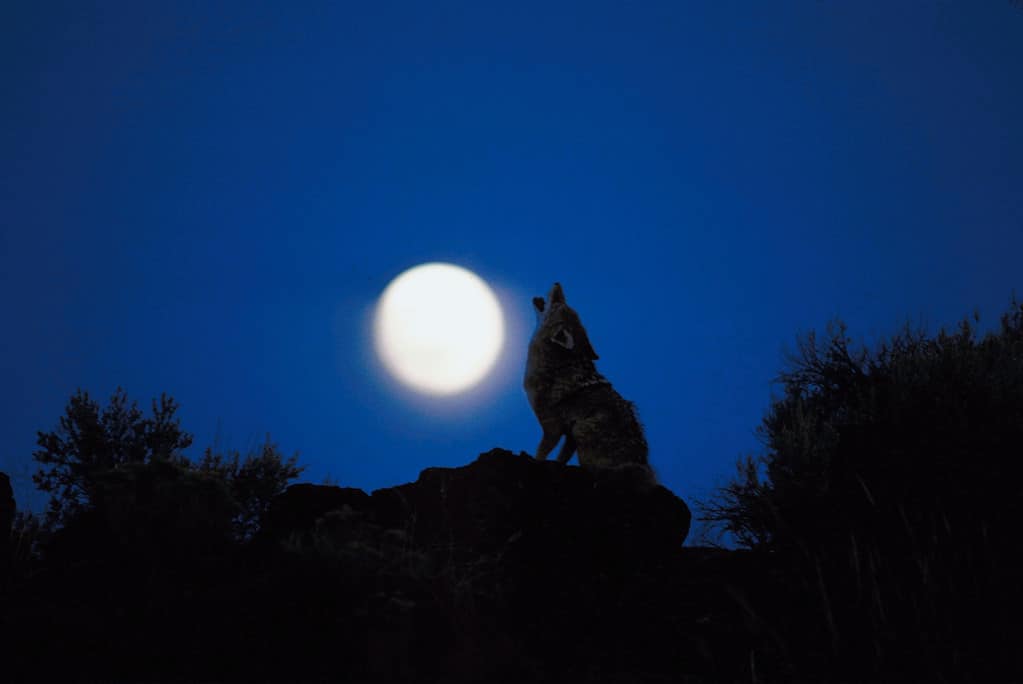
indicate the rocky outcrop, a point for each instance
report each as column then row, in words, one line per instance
column 297, row 509
column 507, row 569
column 502, row 570
column 7, row 510
column 502, row 502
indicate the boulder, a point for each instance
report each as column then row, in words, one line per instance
column 505, row 569
column 501, row 499
column 297, row 510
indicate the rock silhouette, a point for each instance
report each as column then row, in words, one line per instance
column 506, row 569
column 499, row 502
column 7, row 510
column 502, row 570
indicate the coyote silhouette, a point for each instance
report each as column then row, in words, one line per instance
column 572, row 399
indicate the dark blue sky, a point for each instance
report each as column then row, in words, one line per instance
column 205, row 199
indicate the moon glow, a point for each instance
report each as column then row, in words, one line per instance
column 438, row 328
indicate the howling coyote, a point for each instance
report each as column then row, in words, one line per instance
column 570, row 398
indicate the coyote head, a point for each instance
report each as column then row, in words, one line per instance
column 559, row 328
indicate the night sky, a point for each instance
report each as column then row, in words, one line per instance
column 206, row 199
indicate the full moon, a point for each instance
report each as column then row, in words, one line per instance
column 438, row 328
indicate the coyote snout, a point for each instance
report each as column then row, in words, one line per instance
column 571, row 399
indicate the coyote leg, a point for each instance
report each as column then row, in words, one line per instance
column 567, row 449
column 547, row 444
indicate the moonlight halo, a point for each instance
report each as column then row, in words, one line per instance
column 438, row 328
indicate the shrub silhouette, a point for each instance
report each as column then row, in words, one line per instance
column 253, row 481
column 891, row 494
column 89, row 441
column 28, row 536
column 128, row 470
column 150, row 508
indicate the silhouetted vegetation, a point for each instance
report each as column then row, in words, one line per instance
column 28, row 535
column 117, row 461
column 253, row 481
column 890, row 495
column 90, row 442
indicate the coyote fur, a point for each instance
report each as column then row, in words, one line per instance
column 571, row 399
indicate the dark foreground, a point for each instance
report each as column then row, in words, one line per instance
column 505, row 570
